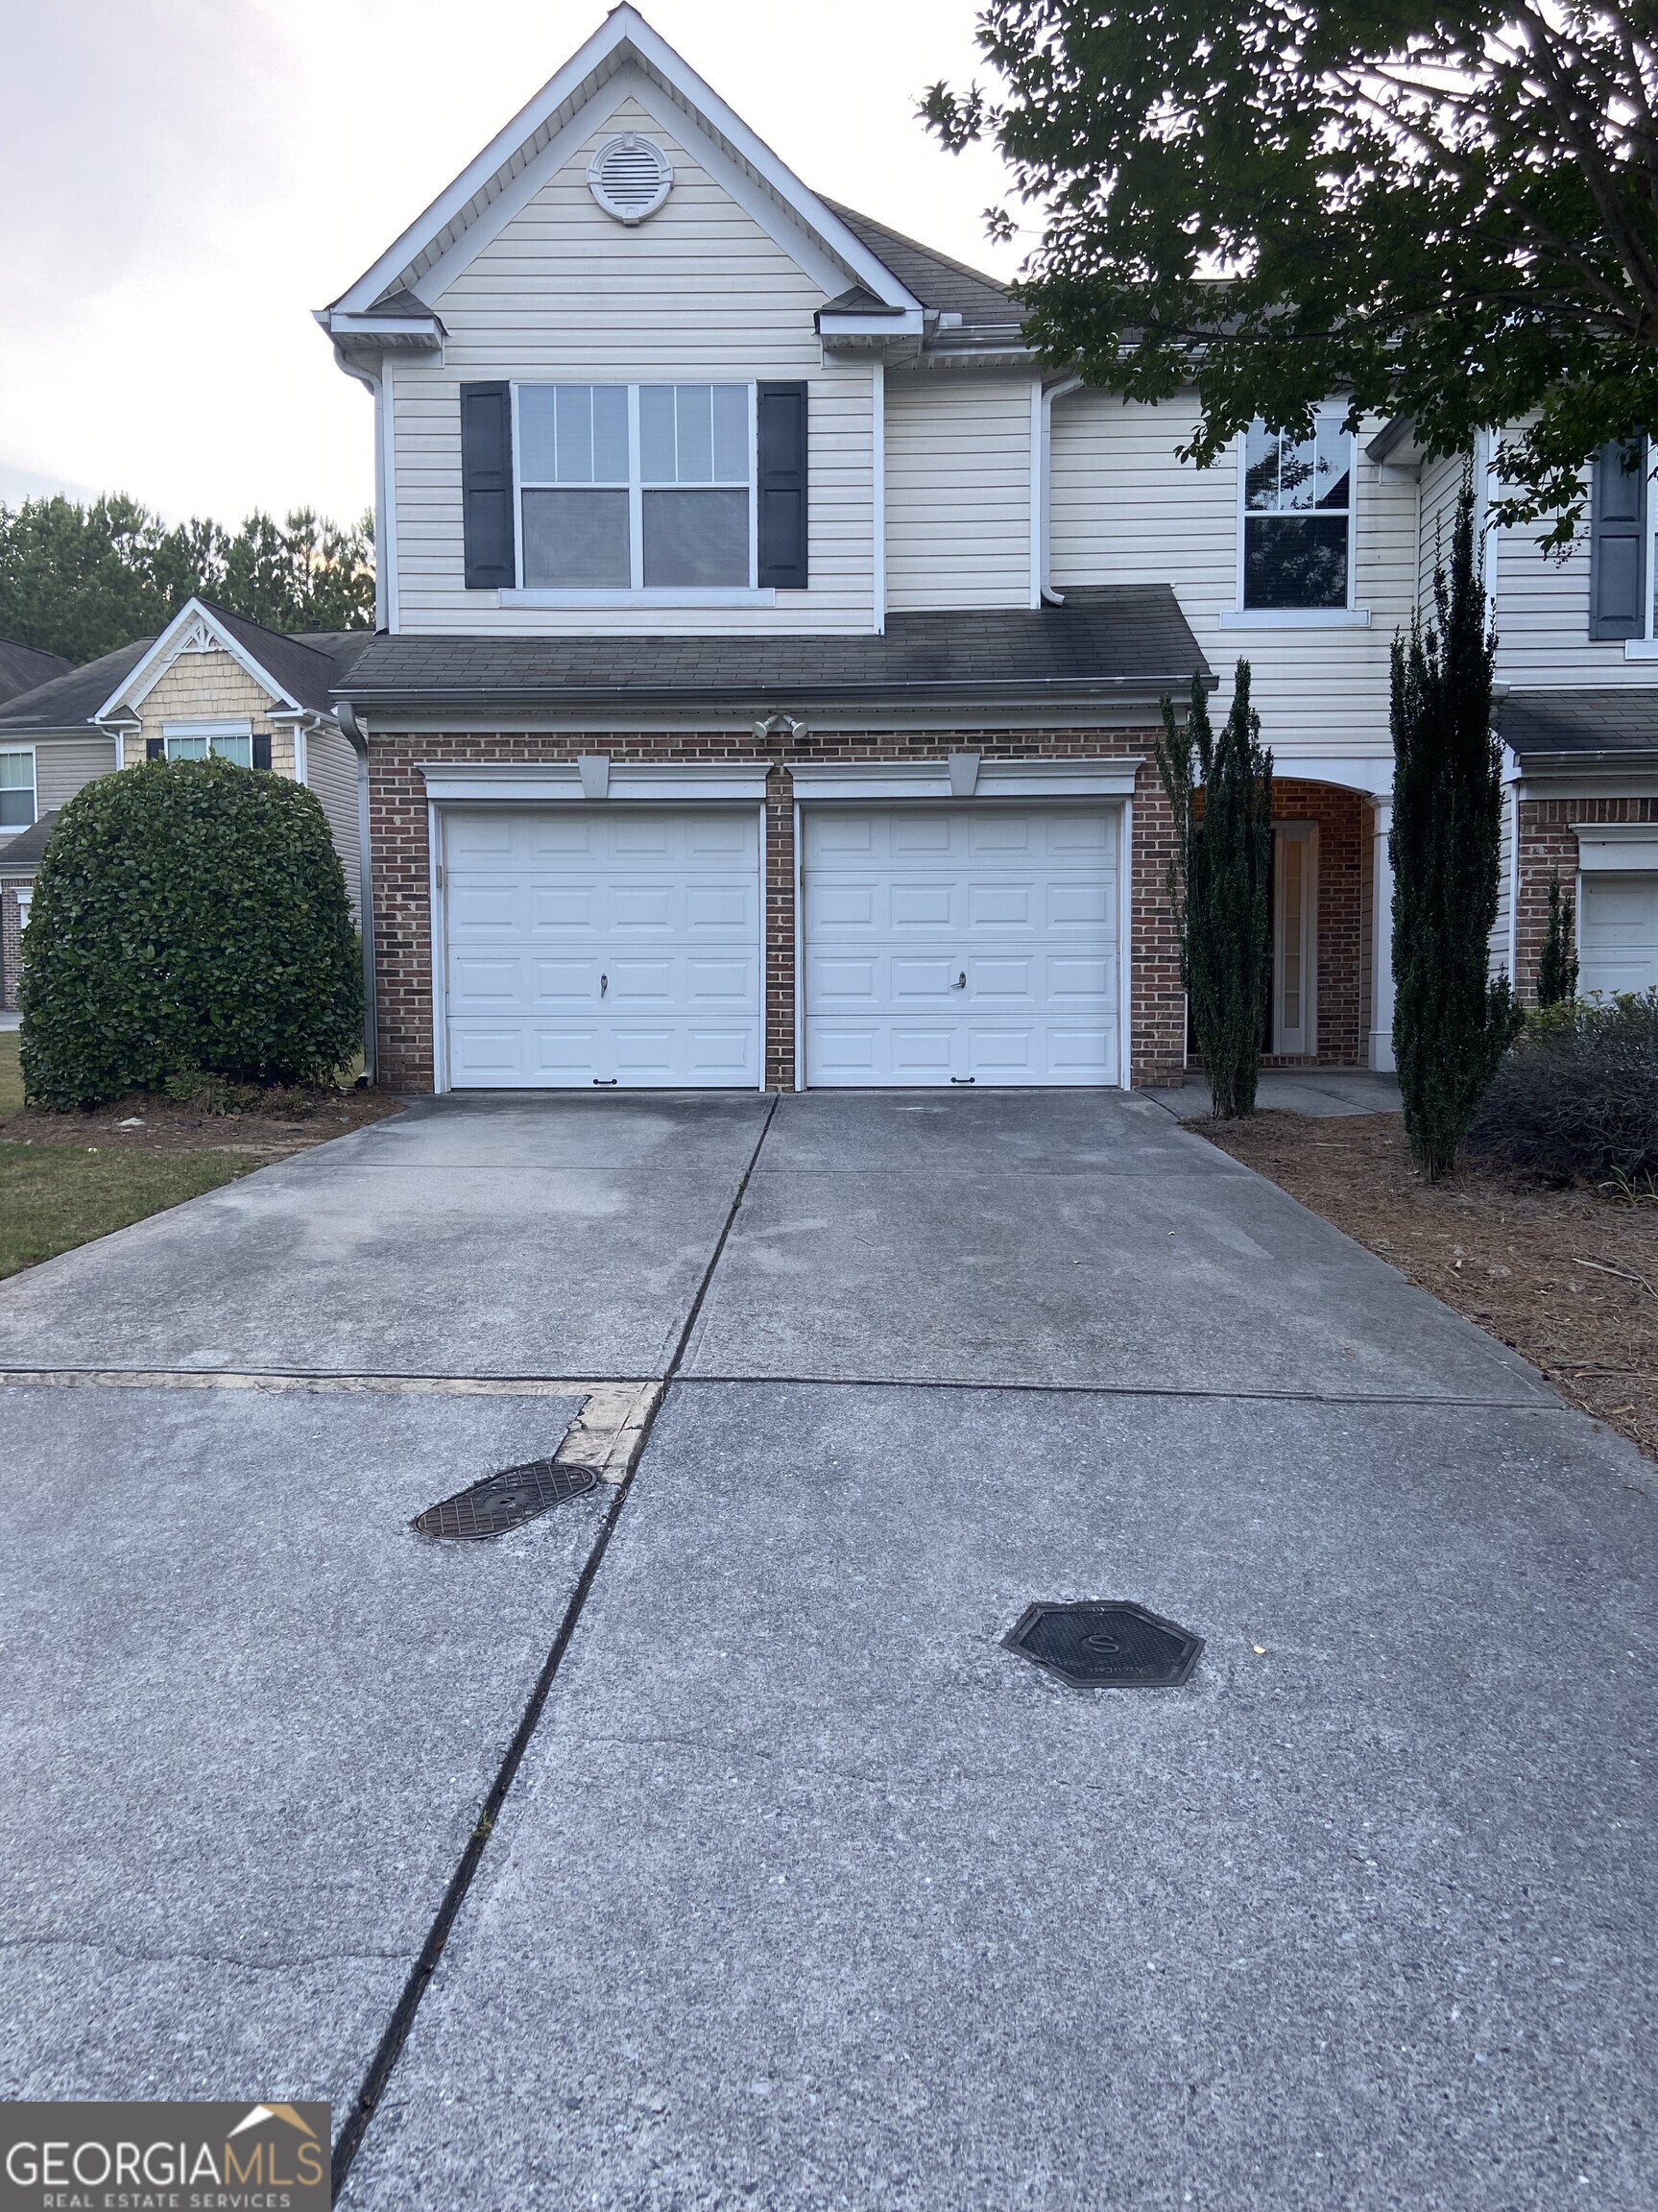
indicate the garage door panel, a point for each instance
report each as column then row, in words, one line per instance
column 1618, row 933
column 1019, row 901
column 634, row 939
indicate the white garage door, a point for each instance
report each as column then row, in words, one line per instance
column 961, row 945
column 598, row 946
column 1618, row 933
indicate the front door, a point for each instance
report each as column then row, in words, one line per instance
column 1295, row 940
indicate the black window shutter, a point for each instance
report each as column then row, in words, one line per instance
column 487, row 485
column 155, row 748
column 781, row 417
column 261, row 749
column 1618, row 542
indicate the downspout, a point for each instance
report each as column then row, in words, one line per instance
column 1063, row 389
column 357, row 736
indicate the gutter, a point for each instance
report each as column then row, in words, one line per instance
column 357, row 735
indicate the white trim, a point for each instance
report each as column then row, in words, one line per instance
column 800, row 1052
column 1038, row 493
column 877, row 497
column 233, row 726
column 1356, row 772
column 1126, row 948
column 1295, row 618
column 886, row 782
column 559, row 782
column 1381, row 1054
column 623, row 36
column 139, row 681
column 659, row 595
column 302, row 753
column 1616, row 848
column 382, row 507
column 764, row 935
column 385, row 430
column 1511, row 803
column 1642, row 648
column 437, row 896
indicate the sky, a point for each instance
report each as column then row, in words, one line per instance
column 187, row 179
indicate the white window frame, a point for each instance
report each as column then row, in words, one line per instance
column 211, row 731
column 23, row 753
column 636, row 594
column 1350, row 616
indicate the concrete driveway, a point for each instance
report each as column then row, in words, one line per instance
column 805, row 1892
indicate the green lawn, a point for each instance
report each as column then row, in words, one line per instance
column 53, row 1196
column 10, row 1079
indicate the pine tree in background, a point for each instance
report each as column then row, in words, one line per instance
column 1452, row 1022
column 1557, row 964
column 1218, row 881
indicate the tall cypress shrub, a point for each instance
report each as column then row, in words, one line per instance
column 1558, row 965
column 1452, row 1021
column 1218, row 880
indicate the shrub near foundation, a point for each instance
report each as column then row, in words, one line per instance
column 1577, row 1098
column 189, row 919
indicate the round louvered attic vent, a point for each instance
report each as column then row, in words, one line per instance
column 630, row 178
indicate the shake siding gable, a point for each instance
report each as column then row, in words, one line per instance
column 958, row 462
column 698, row 292
column 1125, row 510
column 209, row 688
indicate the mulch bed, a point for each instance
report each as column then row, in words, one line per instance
column 1567, row 1278
column 284, row 1122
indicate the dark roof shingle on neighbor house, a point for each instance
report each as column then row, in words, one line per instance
column 1611, row 723
column 24, row 667
column 1103, row 643
column 21, row 854
column 306, row 665
column 70, row 702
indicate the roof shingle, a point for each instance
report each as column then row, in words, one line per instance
column 1613, row 722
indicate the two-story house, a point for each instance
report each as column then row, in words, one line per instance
column 770, row 649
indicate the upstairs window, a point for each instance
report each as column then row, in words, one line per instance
column 17, row 792
column 636, row 487
column 1297, row 517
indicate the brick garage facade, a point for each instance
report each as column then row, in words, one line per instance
column 1547, row 841
column 401, row 862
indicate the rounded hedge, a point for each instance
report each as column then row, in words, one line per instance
column 189, row 917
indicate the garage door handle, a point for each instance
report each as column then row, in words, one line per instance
column 960, row 983
column 605, row 1082
column 604, row 985
column 964, row 1078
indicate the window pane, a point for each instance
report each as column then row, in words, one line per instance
column 694, row 409
column 696, row 538
column 576, row 539
column 240, row 750
column 730, row 433
column 16, row 771
column 610, row 433
column 1261, row 467
column 16, row 809
column 1297, row 473
column 656, row 465
column 186, row 748
column 574, row 449
column 536, row 411
column 1295, row 561
column 1335, row 465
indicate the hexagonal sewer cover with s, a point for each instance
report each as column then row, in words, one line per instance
column 1105, row 1643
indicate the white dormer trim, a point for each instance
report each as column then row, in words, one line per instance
column 194, row 629
column 500, row 168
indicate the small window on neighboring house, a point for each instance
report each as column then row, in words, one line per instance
column 1297, row 517
column 16, row 791
column 622, row 488
column 201, row 740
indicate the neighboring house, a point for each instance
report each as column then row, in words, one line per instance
column 21, row 669
column 771, row 649
column 212, row 684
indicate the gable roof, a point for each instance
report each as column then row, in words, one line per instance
column 298, row 669
column 70, row 701
column 947, row 287
column 1102, row 643
column 512, row 166
column 24, row 667
column 1604, row 724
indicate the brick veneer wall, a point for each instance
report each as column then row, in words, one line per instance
column 1548, row 841
column 1344, row 836
column 403, row 919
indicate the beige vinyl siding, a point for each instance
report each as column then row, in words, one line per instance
column 958, row 461
column 331, row 773
column 1125, row 510
column 699, row 292
column 64, row 765
column 1441, row 485
column 1543, row 618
